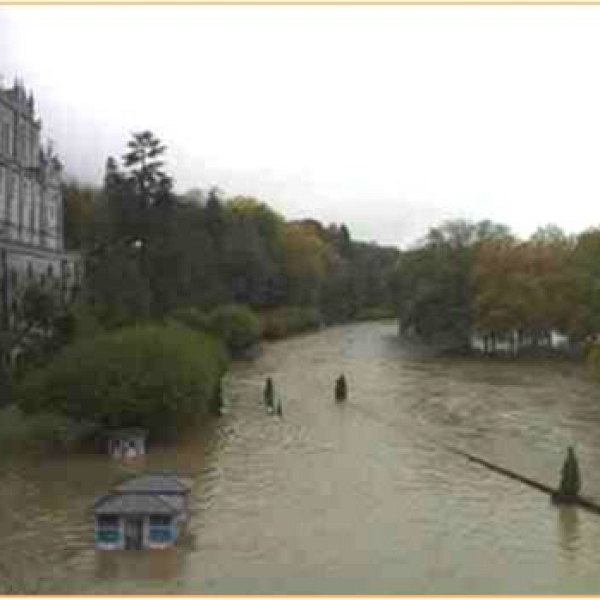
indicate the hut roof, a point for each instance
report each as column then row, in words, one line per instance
column 155, row 484
column 133, row 504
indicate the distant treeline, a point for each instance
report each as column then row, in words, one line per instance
column 150, row 251
column 466, row 278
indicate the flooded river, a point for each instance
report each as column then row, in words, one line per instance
column 354, row 498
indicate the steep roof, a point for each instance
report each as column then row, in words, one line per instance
column 155, row 484
column 133, row 504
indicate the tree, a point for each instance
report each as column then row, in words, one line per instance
column 142, row 159
column 32, row 324
column 151, row 190
column 158, row 377
column 436, row 285
column 236, row 325
column 570, row 481
column 585, row 266
column 269, row 394
column 79, row 208
column 135, row 237
column 499, row 304
column 341, row 389
column 305, row 255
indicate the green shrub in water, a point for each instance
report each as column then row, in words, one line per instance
column 149, row 376
column 237, row 325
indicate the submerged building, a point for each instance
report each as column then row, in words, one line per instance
column 146, row 512
column 31, row 207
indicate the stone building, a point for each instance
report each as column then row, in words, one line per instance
column 31, row 207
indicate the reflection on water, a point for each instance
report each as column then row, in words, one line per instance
column 358, row 497
column 568, row 530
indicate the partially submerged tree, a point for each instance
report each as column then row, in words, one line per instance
column 157, row 377
column 570, row 482
column 269, row 394
column 341, row 388
column 237, row 325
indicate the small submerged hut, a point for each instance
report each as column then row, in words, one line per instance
column 126, row 443
column 144, row 512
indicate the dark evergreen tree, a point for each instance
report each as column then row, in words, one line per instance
column 570, row 482
column 341, row 389
column 151, row 183
column 269, row 394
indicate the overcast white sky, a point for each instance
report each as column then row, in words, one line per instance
column 387, row 118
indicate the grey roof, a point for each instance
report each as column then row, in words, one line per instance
column 133, row 504
column 158, row 484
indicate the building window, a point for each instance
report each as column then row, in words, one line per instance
column 32, row 217
column 10, row 189
column 108, row 530
column 22, row 191
column 22, row 142
column 108, row 521
column 5, row 141
column 160, row 521
column 31, row 157
column 160, row 529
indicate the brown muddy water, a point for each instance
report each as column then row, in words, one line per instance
column 354, row 498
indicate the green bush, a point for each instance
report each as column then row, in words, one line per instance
column 237, row 325
column 288, row 320
column 151, row 376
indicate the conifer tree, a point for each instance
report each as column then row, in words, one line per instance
column 570, row 482
column 269, row 394
column 341, row 388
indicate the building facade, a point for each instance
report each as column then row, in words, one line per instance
column 31, row 207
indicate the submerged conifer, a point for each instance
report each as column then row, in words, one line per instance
column 570, row 481
column 341, row 388
column 269, row 394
